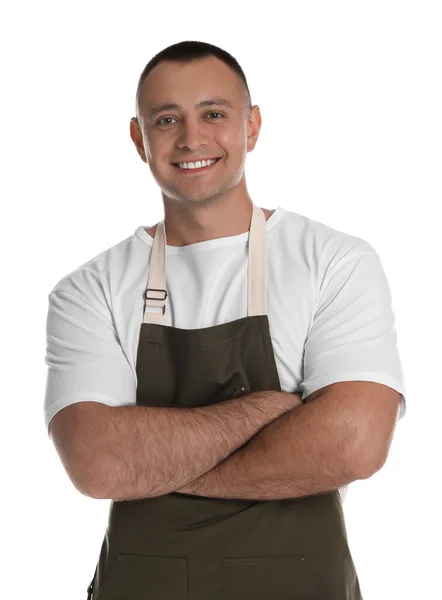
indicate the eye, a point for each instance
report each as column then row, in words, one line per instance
column 159, row 122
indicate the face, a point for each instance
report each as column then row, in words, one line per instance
column 172, row 135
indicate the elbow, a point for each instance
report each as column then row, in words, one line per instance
column 86, row 481
column 88, row 464
column 106, row 479
column 88, row 477
column 92, row 491
column 366, row 462
column 96, row 482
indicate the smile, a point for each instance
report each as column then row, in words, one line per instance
column 188, row 171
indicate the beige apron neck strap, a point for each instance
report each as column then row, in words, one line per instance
column 156, row 294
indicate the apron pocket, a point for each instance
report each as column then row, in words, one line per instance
column 256, row 578
column 137, row 577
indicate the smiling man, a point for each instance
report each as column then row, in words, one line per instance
column 189, row 112
column 223, row 375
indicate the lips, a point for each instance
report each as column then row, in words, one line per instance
column 197, row 171
column 177, row 164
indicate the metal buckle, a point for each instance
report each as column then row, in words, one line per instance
column 148, row 298
column 155, row 290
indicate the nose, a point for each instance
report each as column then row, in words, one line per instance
column 192, row 135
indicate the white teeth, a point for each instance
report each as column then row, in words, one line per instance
column 196, row 165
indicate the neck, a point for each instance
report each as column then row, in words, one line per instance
column 184, row 226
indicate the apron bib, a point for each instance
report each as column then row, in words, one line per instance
column 186, row 547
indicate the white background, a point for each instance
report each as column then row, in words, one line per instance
column 350, row 96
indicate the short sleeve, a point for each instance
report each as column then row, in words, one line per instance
column 84, row 357
column 352, row 335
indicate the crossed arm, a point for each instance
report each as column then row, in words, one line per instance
column 343, row 432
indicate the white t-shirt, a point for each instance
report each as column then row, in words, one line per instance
column 328, row 303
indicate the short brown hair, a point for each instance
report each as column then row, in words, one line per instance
column 188, row 51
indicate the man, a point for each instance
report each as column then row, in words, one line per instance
column 175, row 397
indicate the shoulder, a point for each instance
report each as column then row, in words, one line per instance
column 318, row 244
column 91, row 280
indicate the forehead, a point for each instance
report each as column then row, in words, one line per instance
column 203, row 82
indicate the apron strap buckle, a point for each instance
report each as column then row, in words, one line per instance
column 155, row 290
column 157, row 302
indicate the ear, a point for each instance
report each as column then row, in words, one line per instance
column 137, row 137
column 253, row 127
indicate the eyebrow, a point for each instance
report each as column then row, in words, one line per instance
column 216, row 101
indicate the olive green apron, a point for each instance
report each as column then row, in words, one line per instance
column 186, row 547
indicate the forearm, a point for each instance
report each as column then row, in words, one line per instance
column 307, row 450
column 151, row 451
